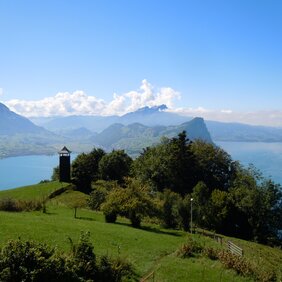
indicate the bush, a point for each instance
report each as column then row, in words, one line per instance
column 114, row 269
column 110, row 216
column 33, row 205
column 31, row 261
column 211, row 253
column 13, row 205
column 83, row 260
column 239, row 264
column 8, row 204
column 190, row 249
column 36, row 262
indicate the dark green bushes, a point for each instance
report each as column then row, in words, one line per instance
column 13, row 205
column 31, row 261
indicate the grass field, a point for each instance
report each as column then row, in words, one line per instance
column 149, row 249
column 32, row 192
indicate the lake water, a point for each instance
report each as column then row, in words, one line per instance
column 267, row 157
column 27, row 170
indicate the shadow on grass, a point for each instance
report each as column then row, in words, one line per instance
column 151, row 229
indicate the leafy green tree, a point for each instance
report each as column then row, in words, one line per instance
column 133, row 202
column 170, row 164
column 220, row 208
column 115, row 166
column 201, row 196
column 170, row 216
column 184, row 212
column 100, row 189
column 258, row 205
column 79, row 200
column 215, row 166
column 85, row 169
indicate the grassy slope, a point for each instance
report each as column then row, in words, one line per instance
column 38, row 191
column 150, row 248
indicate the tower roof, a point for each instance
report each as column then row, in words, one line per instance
column 64, row 150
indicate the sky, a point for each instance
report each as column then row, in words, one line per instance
column 218, row 59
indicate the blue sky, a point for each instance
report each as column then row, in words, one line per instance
column 218, row 59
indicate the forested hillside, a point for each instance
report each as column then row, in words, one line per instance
column 160, row 183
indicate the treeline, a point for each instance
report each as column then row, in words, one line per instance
column 227, row 197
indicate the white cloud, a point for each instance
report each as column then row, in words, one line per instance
column 79, row 103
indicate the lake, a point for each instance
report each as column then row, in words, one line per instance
column 27, row 170
column 267, row 157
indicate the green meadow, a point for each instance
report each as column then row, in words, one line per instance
column 151, row 249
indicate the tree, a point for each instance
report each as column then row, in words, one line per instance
column 115, row 166
column 56, row 174
column 201, row 196
column 85, row 169
column 76, row 200
column 170, row 164
column 215, row 166
column 100, row 190
column 258, row 204
column 133, row 202
column 170, row 216
column 184, row 212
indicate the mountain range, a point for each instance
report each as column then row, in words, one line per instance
column 132, row 132
column 19, row 136
column 158, row 116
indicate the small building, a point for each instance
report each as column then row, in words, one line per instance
column 64, row 166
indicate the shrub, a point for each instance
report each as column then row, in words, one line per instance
column 26, row 205
column 14, row 205
column 265, row 276
column 239, row 264
column 31, row 261
column 115, row 269
column 83, row 260
column 190, row 249
column 8, row 204
column 36, row 262
column 211, row 253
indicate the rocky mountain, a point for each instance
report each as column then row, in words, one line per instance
column 12, row 123
column 134, row 137
column 158, row 116
column 19, row 136
column 149, row 116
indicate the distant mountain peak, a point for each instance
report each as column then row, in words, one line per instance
column 3, row 108
column 152, row 109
